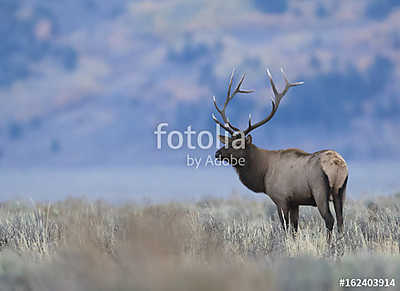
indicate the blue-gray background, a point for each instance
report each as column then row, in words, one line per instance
column 83, row 84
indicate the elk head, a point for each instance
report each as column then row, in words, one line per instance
column 237, row 146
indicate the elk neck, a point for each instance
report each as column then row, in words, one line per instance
column 252, row 174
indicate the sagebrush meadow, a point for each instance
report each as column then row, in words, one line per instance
column 212, row 244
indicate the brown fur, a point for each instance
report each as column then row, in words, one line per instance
column 292, row 178
column 335, row 168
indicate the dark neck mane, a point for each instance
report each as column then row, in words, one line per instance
column 253, row 172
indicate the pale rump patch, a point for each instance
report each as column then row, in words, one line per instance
column 335, row 168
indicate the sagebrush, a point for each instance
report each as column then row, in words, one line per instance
column 212, row 244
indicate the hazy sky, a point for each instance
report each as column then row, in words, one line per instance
column 84, row 83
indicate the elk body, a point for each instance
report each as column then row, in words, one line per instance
column 290, row 177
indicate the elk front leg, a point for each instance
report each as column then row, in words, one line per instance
column 294, row 217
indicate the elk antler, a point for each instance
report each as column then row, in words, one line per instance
column 275, row 101
column 227, row 125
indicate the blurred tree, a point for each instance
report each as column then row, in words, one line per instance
column 380, row 9
column 15, row 130
column 55, row 145
column 20, row 44
column 279, row 6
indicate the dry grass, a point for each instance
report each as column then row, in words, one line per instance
column 233, row 244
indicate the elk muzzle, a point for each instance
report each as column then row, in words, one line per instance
column 218, row 155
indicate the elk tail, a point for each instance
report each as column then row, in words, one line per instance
column 335, row 170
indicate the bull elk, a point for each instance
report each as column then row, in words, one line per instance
column 290, row 177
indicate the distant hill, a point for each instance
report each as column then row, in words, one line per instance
column 86, row 82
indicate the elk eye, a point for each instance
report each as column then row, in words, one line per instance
column 237, row 143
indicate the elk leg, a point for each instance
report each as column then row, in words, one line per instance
column 338, row 203
column 329, row 220
column 294, row 217
column 321, row 196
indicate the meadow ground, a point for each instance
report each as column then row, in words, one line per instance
column 213, row 244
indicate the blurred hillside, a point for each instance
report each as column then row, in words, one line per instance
column 85, row 82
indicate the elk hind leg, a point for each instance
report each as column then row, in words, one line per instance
column 338, row 203
column 321, row 196
column 338, row 200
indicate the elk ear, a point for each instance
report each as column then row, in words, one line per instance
column 249, row 139
column 224, row 139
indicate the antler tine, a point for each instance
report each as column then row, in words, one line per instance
column 239, row 90
column 228, row 94
column 224, row 126
column 224, row 118
column 228, row 126
column 287, row 82
column 275, row 101
column 276, row 93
